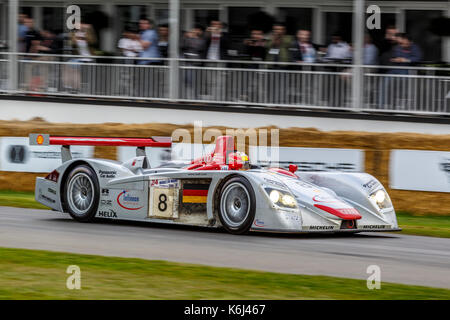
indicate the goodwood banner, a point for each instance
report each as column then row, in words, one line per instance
column 17, row 155
column 309, row 159
column 420, row 170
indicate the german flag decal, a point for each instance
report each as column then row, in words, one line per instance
column 195, row 193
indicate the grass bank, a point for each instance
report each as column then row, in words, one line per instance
column 31, row 274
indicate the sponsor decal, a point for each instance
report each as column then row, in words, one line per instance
column 106, row 203
column 107, row 214
column 259, row 223
column 44, row 197
column 274, row 182
column 195, row 193
column 445, row 166
column 105, row 192
column 224, row 168
column 128, row 202
column 321, row 227
column 164, row 183
column 291, row 217
column 371, row 184
column 109, row 174
column 375, row 226
column 51, row 191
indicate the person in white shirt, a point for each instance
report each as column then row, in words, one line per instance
column 129, row 44
column 338, row 49
column 130, row 47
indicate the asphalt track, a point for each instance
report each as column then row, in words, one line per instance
column 401, row 258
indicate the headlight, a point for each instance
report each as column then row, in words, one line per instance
column 274, row 196
column 381, row 199
column 281, row 198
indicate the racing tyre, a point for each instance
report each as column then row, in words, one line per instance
column 81, row 193
column 237, row 205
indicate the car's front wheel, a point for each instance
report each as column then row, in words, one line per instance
column 81, row 193
column 237, row 205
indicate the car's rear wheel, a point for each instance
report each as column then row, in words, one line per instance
column 81, row 193
column 237, row 205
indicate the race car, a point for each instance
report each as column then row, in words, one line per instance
column 220, row 189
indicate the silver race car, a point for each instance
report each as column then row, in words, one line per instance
column 220, row 189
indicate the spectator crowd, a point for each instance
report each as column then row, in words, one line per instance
column 148, row 44
column 214, row 43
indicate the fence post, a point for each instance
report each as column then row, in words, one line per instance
column 13, row 34
column 358, row 42
column 174, row 14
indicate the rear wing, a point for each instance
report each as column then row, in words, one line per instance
column 37, row 139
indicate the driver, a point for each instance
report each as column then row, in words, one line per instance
column 238, row 161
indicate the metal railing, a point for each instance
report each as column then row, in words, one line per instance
column 319, row 85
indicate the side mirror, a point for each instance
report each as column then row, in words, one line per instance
column 293, row 168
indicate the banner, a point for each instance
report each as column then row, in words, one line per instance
column 309, row 159
column 17, row 155
column 420, row 170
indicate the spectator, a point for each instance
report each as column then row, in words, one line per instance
column 149, row 42
column 338, row 49
column 370, row 52
column 193, row 44
column 278, row 45
column 163, row 43
column 31, row 34
column 405, row 53
column 129, row 45
column 83, row 42
column 22, row 30
column 386, row 46
column 303, row 50
column 217, row 42
column 193, row 47
column 255, row 47
column 51, row 41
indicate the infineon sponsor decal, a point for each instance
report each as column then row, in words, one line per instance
column 128, row 201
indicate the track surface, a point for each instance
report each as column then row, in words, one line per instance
column 402, row 259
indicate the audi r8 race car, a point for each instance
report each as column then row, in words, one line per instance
column 220, row 189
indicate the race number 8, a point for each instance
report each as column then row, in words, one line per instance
column 162, row 205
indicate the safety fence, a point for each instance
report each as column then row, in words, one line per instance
column 319, row 85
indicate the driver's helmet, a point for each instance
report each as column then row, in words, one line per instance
column 239, row 160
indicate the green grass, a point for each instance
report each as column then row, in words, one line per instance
column 430, row 225
column 30, row 274
column 19, row 199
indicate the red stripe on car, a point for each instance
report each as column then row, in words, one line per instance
column 343, row 213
